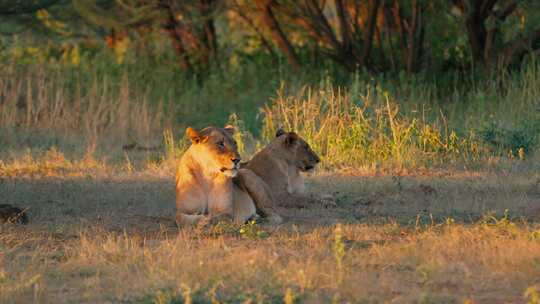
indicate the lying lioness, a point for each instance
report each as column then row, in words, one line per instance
column 210, row 185
column 281, row 162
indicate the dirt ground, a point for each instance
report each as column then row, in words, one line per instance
column 136, row 201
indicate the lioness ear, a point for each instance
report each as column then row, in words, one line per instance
column 229, row 129
column 280, row 132
column 194, row 135
column 291, row 139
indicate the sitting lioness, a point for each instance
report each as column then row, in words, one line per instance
column 210, row 184
column 281, row 162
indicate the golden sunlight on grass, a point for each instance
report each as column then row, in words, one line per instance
column 436, row 263
column 410, row 209
column 424, row 115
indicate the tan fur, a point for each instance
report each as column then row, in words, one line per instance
column 281, row 162
column 209, row 183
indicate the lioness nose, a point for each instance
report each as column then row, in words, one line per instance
column 235, row 160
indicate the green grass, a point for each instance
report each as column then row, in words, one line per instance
column 387, row 122
column 435, row 184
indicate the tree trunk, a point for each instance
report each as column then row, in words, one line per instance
column 276, row 33
column 396, row 11
column 176, row 40
column 251, row 24
column 387, row 34
column 519, row 47
column 345, row 30
column 476, row 13
column 476, row 32
column 411, row 34
column 415, row 38
column 209, row 36
column 373, row 8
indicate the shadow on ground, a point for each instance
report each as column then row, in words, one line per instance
column 146, row 203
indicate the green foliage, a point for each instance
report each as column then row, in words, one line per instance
column 504, row 225
column 370, row 130
column 244, row 36
column 11, row 7
column 447, row 113
column 251, row 230
column 377, row 123
column 117, row 14
column 510, row 140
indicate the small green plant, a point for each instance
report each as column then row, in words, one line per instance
column 186, row 294
column 163, row 297
column 503, row 224
column 252, row 230
column 288, row 297
column 222, row 228
column 532, row 295
column 535, row 235
column 492, row 220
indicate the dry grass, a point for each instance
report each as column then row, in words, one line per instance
column 399, row 223
column 373, row 129
column 86, row 113
column 42, row 109
column 424, row 239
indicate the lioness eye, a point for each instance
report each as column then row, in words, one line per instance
column 220, row 143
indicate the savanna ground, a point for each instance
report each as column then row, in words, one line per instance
column 415, row 210
column 438, row 237
column 426, row 115
column 427, row 194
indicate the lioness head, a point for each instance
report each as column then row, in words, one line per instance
column 215, row 149
column 298, row 151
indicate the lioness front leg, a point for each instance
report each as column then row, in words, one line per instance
column 201, row 221
column 188, row 220
column 260, row 193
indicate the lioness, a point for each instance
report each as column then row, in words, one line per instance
column 210, row 184
column 281, row 162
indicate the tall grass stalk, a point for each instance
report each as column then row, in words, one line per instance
column 367, row 130
column 368, row 123
column 54, row 106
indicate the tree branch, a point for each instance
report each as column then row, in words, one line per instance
column 277, row 34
